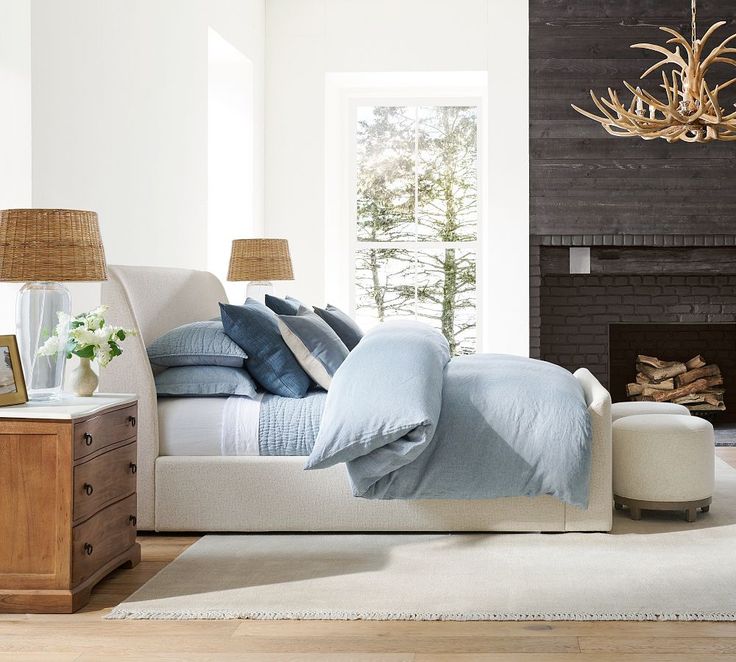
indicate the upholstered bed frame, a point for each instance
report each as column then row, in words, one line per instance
column 275, row 494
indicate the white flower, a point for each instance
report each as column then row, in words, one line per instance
column 100, row 310
column 84, row 337
column 103, row 355
column 89, row 332
column 50, row 347
column 63, row 326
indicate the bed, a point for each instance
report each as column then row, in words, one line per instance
column 184, row 484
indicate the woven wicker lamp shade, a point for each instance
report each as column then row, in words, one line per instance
column 51, row 245
column 260, row 260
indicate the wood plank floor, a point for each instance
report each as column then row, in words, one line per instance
column 85, row 636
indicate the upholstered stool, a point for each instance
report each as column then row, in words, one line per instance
column 663, row 462
column 621, row 409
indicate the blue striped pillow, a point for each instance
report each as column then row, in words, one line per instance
column 315, row 345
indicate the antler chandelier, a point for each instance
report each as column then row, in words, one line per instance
column 692, row 112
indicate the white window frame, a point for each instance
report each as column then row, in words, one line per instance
column 341, row 88
column 439, row 99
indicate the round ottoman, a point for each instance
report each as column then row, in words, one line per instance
column 663, row 462
column 635, row 408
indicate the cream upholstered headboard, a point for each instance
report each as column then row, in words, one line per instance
column 152, row 300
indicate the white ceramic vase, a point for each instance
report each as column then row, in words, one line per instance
column 84, row 379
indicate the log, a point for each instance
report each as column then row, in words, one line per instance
column 667, row 396
column 698, row 373
column 699, row 398
column 651, row 391
column 716, row 380
column 660, row 374
column 706, row 407
column 713, row 400
column 664, row 385
column 648, row 389
column 692, row 399
column 654, row 362
column 695, row 362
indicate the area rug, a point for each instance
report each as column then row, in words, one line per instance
column 659, row 568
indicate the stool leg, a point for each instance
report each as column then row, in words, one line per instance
column 705, row 509
column 691, row 514
column 635, row 512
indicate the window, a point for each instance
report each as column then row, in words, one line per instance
column 415, row 226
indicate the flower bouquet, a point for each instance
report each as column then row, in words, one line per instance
column 90, row 338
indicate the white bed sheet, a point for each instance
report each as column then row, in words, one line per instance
column 190, row 426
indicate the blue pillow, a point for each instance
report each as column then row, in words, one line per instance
column 198, row 343
column 315, row 345
column 205, row 380
column 287, row 306
column 270, row 362
column 342, row 324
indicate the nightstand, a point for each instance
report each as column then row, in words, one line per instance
column 67, row 500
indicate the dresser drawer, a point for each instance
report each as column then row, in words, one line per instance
column 103, row 537
column 103, row 430
column 104, row 479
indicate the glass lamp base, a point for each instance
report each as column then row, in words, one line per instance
column 258, row 289
column 37, row 315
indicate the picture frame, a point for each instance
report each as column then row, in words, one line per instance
column 12, row 384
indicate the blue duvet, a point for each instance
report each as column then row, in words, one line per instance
column 412, row 424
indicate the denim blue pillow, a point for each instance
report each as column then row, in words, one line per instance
column 198, row 343
column 270, row 362
column 287, row 306
column 315, row 345
column 204, row 381
column 342, row 324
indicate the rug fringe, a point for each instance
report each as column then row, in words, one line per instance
column 120, row 613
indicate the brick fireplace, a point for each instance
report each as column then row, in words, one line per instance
column 668, row 296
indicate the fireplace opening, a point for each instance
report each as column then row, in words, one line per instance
column 691, row 364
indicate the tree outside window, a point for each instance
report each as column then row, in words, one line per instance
column 417, row 217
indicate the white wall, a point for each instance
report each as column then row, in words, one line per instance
column 15, row 126
column 507, row 286
column 120, row 102
column 243, row 24
column 230, row 167
column 306, row 40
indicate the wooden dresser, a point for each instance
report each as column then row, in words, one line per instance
column 67, row 500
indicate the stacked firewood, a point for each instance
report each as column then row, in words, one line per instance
column 694, row 383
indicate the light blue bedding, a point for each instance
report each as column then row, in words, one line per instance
column 411, row 424
column 289, row 426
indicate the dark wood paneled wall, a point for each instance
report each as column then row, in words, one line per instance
column 584, row 181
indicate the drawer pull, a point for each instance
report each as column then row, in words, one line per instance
column 133, row 467
column 88, row 489
column 88, row 441
column 88, row 549
column 131, row 420
column 133, row 520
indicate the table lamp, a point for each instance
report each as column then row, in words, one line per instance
column 260, row 261
column 45, row 247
